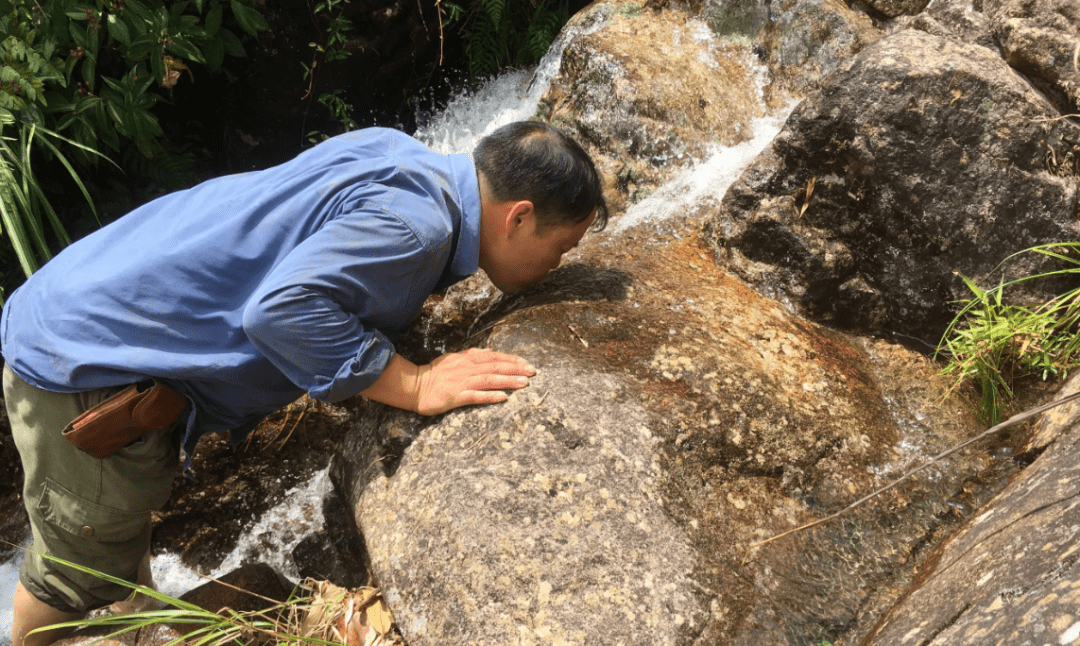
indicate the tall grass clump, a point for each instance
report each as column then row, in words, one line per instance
column 992, row 344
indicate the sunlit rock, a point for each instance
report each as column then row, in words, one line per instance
column 1042, row 40
column 650, row 90
column 809, row 39
column 921, row 158
column 1038, row 39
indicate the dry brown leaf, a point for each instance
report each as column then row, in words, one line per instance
column 352, row 617
column 809, row 192
column 380, row 617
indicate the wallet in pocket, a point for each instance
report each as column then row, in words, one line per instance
column 122, row 418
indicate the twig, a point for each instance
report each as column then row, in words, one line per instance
column 577, row 336
column 1012, row 421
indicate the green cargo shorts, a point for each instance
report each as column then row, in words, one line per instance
column 95, row 513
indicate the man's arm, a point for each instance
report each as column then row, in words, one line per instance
column 453, row 380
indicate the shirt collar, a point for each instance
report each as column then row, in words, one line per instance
column 466, row 258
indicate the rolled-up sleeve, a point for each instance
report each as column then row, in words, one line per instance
column 321, row 314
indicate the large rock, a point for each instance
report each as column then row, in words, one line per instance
column 921, row 158
column 1013, row 575
column 807, row 40
column 1042, row 40
column 1037, row 38
column 677, row 419
column 648, row 91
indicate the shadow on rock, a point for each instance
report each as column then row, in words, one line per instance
column 576, row 282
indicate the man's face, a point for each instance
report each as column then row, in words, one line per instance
column 527, row 254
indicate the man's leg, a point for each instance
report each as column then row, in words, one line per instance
column 139, row 601
column 95, row 513
column 29, row 613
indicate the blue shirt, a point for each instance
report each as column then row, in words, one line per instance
column 249, row 290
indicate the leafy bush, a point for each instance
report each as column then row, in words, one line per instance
column 82, row 76
column 500, row 33
column 993, row 344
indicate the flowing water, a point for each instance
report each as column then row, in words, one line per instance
column 510, row 97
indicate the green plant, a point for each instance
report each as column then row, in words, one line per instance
column 24, row 208
column 993, row 343
column 334, row 49
column 509, row 32
column 63, row 53
column 316, row 612
column 77, row 77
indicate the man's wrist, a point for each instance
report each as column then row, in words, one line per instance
column 417, row 388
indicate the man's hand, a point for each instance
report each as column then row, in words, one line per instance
column 453, row 380
column 471, row 377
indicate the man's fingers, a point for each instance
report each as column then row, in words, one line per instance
column 504, row 360
column 475, row 376
column 476, row 397
column 497, row 382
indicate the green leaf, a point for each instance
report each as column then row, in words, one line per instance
column 186, row 49
column 89, row 67
column 6, row 7
column 213, row 19
column 118, row 30
column 139, row 9
column 232, row 44
column 143, row 46
column 214, row 53
column 249, row 18
column 78, row 34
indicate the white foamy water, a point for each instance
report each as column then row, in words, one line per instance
column 704, row 183
column 269, row 540
column 512, row 96
column 9, row 575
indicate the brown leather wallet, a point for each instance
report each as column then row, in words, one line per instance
column 116, row 422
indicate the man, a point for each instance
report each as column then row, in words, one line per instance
column 241, row 294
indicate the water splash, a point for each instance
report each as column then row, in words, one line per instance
column 271, row 539
column 705, row 182
column 512, row 96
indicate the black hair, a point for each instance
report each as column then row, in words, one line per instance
column 531, row 160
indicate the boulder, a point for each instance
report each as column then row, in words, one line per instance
column 677, row 419
column 1041, row 39
column 961, row 20
column 648, row 91
column 894, row 8
column 807, row 40
column 920, row 159
column 1037, row 38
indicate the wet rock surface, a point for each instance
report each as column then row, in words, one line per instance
column 1012, row 575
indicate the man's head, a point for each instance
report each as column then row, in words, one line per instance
column 540, row 192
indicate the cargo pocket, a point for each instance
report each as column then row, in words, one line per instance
column 96, row 537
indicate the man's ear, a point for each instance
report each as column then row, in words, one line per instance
column 517, row 215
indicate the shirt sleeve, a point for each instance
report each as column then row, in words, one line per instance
column 318, row 315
